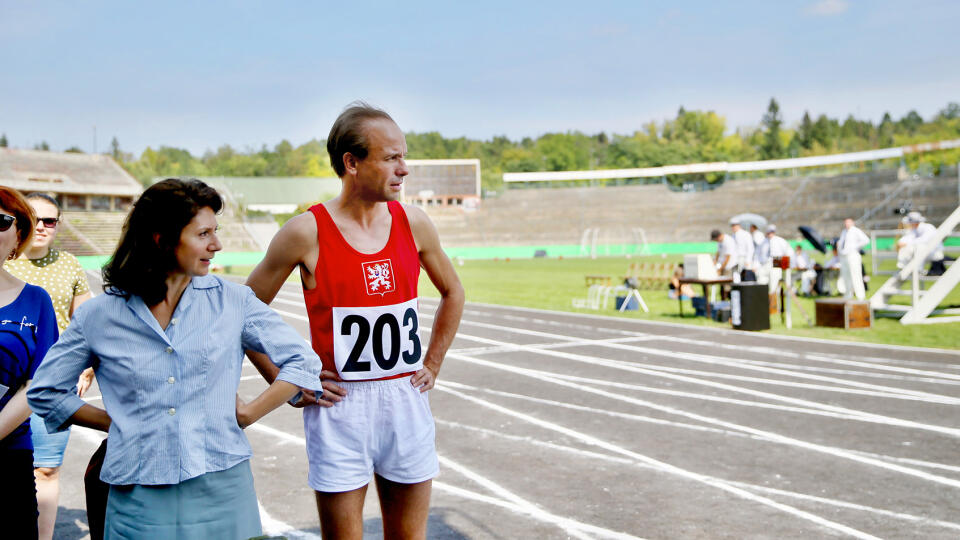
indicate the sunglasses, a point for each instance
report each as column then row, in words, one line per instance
column 6, row 221
column 48, row 222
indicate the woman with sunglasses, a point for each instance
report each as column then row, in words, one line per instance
column 166, row 341
column 60, row 274
column 28, row 327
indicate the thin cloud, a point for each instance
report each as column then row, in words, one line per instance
column 828, row 8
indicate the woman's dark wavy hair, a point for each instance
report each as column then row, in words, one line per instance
column 146, row 254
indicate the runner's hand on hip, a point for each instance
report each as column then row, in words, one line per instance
column 423, row 379
column 332, row 392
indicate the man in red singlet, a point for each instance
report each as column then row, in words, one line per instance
column 359, row 256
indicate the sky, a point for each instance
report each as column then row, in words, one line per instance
column 198, row 75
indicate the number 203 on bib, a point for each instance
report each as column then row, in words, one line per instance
column 377, row 342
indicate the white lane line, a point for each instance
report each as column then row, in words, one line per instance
column 287, row 302
column 287, row 437
column 587, row 454
column 920, row 520
column 613, row 363
column 296, row 316
column 92, row 435
column 593, row 410
column 682, row 425
column 729, row 401
column 723, row 331
column 886, row 392
column 275, row 527
column 664, row 467
column 510, row 348
column 714, row 360
column 856, row 373
column 515, row 508
column 283, row 436
column 897, row 369
column 574, row 528
column 595, row 361
column 296, row 295
column 878, row 363
column 837, row 452
column 624, row 461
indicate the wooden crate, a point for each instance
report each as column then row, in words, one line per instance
column 844, row 313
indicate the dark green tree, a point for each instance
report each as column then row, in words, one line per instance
column 74, row 150
column 824, row 132
column 115, row 150
column 771, row 147
column 805, row 133
column 951, row 111
column 911, row 121
column 3, row 141
column 885, row 131
column 42, row 146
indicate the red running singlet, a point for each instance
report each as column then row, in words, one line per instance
column 364, row 322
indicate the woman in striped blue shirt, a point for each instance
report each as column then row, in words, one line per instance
column 166, row 342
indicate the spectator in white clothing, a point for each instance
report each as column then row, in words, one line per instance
column 772, row 248
column 806, row 273
column 852, row 240
column 745, row 251
column 919, row 233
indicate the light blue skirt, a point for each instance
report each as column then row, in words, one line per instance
column 48, row 448
column 215, row 506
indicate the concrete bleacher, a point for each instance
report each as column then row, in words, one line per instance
column 560, row 215
column 97, row 233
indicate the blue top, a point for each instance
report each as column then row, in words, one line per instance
column 28, row 327
column 171, row 394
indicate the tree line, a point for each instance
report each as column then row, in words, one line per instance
column 692, row 136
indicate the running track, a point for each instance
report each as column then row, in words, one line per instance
column 557, row 425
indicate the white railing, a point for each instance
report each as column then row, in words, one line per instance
column 724, row 166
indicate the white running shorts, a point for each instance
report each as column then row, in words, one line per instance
column 382, row 427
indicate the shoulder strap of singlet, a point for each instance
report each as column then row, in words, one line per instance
column 400, row 218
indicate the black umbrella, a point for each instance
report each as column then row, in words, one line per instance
column 814, row 238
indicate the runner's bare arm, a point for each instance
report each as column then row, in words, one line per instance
column 287, row 251
column 294, row 246
column 441, row 272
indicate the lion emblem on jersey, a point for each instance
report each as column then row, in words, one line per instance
column 378, row 275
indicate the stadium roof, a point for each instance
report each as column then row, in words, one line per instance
column 91, row 174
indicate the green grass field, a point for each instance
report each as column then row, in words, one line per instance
column 553, row 283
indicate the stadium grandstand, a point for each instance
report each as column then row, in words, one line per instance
column 543, row 217
column 95, row 193
column 431, row 183
column 93, row 190
column 443, row 182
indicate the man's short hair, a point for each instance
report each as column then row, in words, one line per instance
column 348, row 133
column 715, row 235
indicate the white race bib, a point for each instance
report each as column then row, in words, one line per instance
column 377, row 342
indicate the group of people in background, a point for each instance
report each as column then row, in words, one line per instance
column 754, row 256
column 166, row 342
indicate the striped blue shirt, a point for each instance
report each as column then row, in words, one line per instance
column 171, row 394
